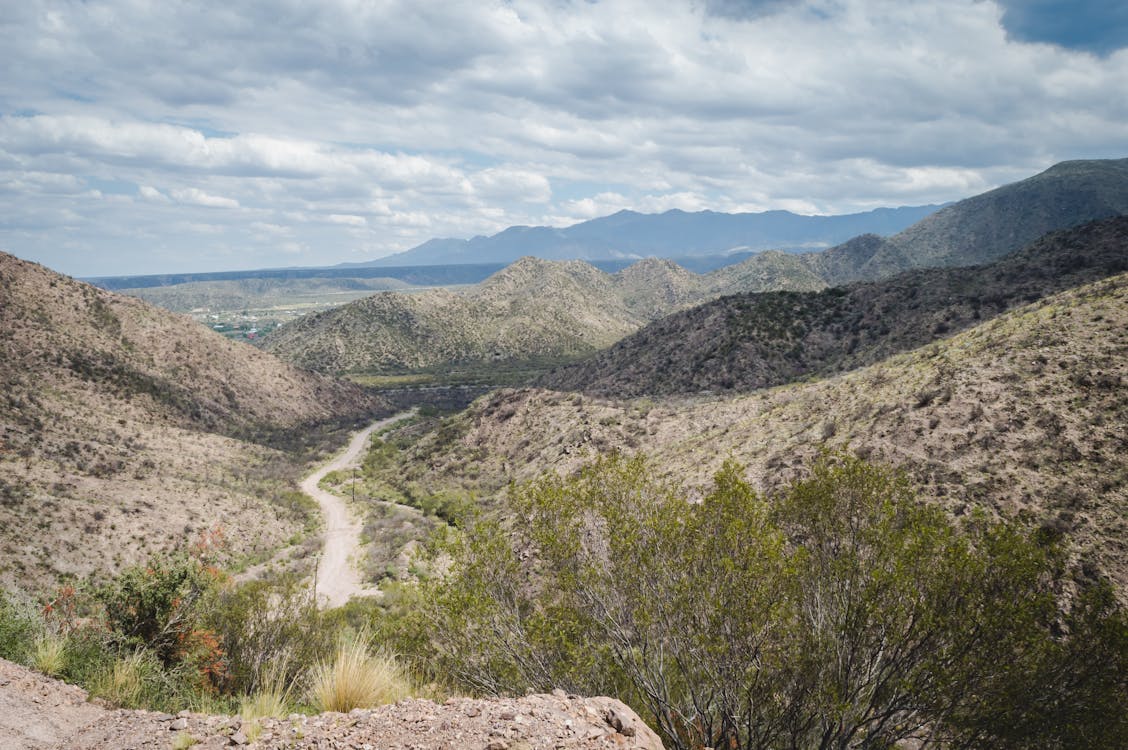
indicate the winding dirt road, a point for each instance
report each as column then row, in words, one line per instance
column 338, row 580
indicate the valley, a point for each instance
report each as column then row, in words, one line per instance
column 554, row 472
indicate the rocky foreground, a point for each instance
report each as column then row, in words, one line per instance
column 38, row 712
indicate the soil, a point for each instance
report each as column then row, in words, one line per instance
column 38, row 712
column 338, row 578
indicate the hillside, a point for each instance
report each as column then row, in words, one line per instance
column 127, row 428
column 989, row 226
column 675, row 233
column 1023, row 414
column 531, row 309
column 748, row 341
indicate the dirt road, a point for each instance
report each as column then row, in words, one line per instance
column 337, row 577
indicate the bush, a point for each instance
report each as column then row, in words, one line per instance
column 270, row 632
column 20, row 625
column 839, row 614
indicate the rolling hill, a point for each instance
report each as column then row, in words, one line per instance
column 1022, row 415
column 126, row 428
column 748, row 341
column 532, row 308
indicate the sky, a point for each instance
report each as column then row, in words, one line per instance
column 160, row 136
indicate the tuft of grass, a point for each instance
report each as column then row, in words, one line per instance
column 49, row 654
column 252, row 730
column 358, row 678
column 183, row 741
column 123, row 684
column 271, row 702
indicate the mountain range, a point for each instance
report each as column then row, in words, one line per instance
column 675, row 233
column 538, row 309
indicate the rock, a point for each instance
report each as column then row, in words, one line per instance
column 176, row 726
column 498, row 745
column 507, row 715
column 621, row 723
column 239, row 738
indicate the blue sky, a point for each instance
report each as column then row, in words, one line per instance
column 147, row 137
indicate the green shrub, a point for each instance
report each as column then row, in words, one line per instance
column 154, row 604
column 20, row 625
column 268, row 631
column 841, row 613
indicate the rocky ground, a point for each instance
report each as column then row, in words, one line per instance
column 38, row 712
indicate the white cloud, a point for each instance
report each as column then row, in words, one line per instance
column 197, row 197
column 348, row 220
column 424, row 119
column 150, row 193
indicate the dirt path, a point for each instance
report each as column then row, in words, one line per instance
column 337, row 578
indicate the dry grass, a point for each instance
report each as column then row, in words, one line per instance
column 358, row 678
column 49, row 654
column 124, row 682
column 272, row 701
column 183, row 741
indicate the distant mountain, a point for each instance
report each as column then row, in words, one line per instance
column 125, row 428
column 1020, row 416
column 672, row 234
column 756, row 340
column 988, row 226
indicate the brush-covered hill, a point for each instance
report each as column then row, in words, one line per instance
column 126, row 427
column 1021, row 415
column 530, row 309
column 748, row 341
column 986, row 227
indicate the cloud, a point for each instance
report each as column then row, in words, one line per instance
column 348, row 220
column 197, row 197
column 150, row 193
column 367, row 128
column 1097, row 26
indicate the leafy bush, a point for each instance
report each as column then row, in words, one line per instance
column 840, row 614
column 20, row 625
column 270, row 632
